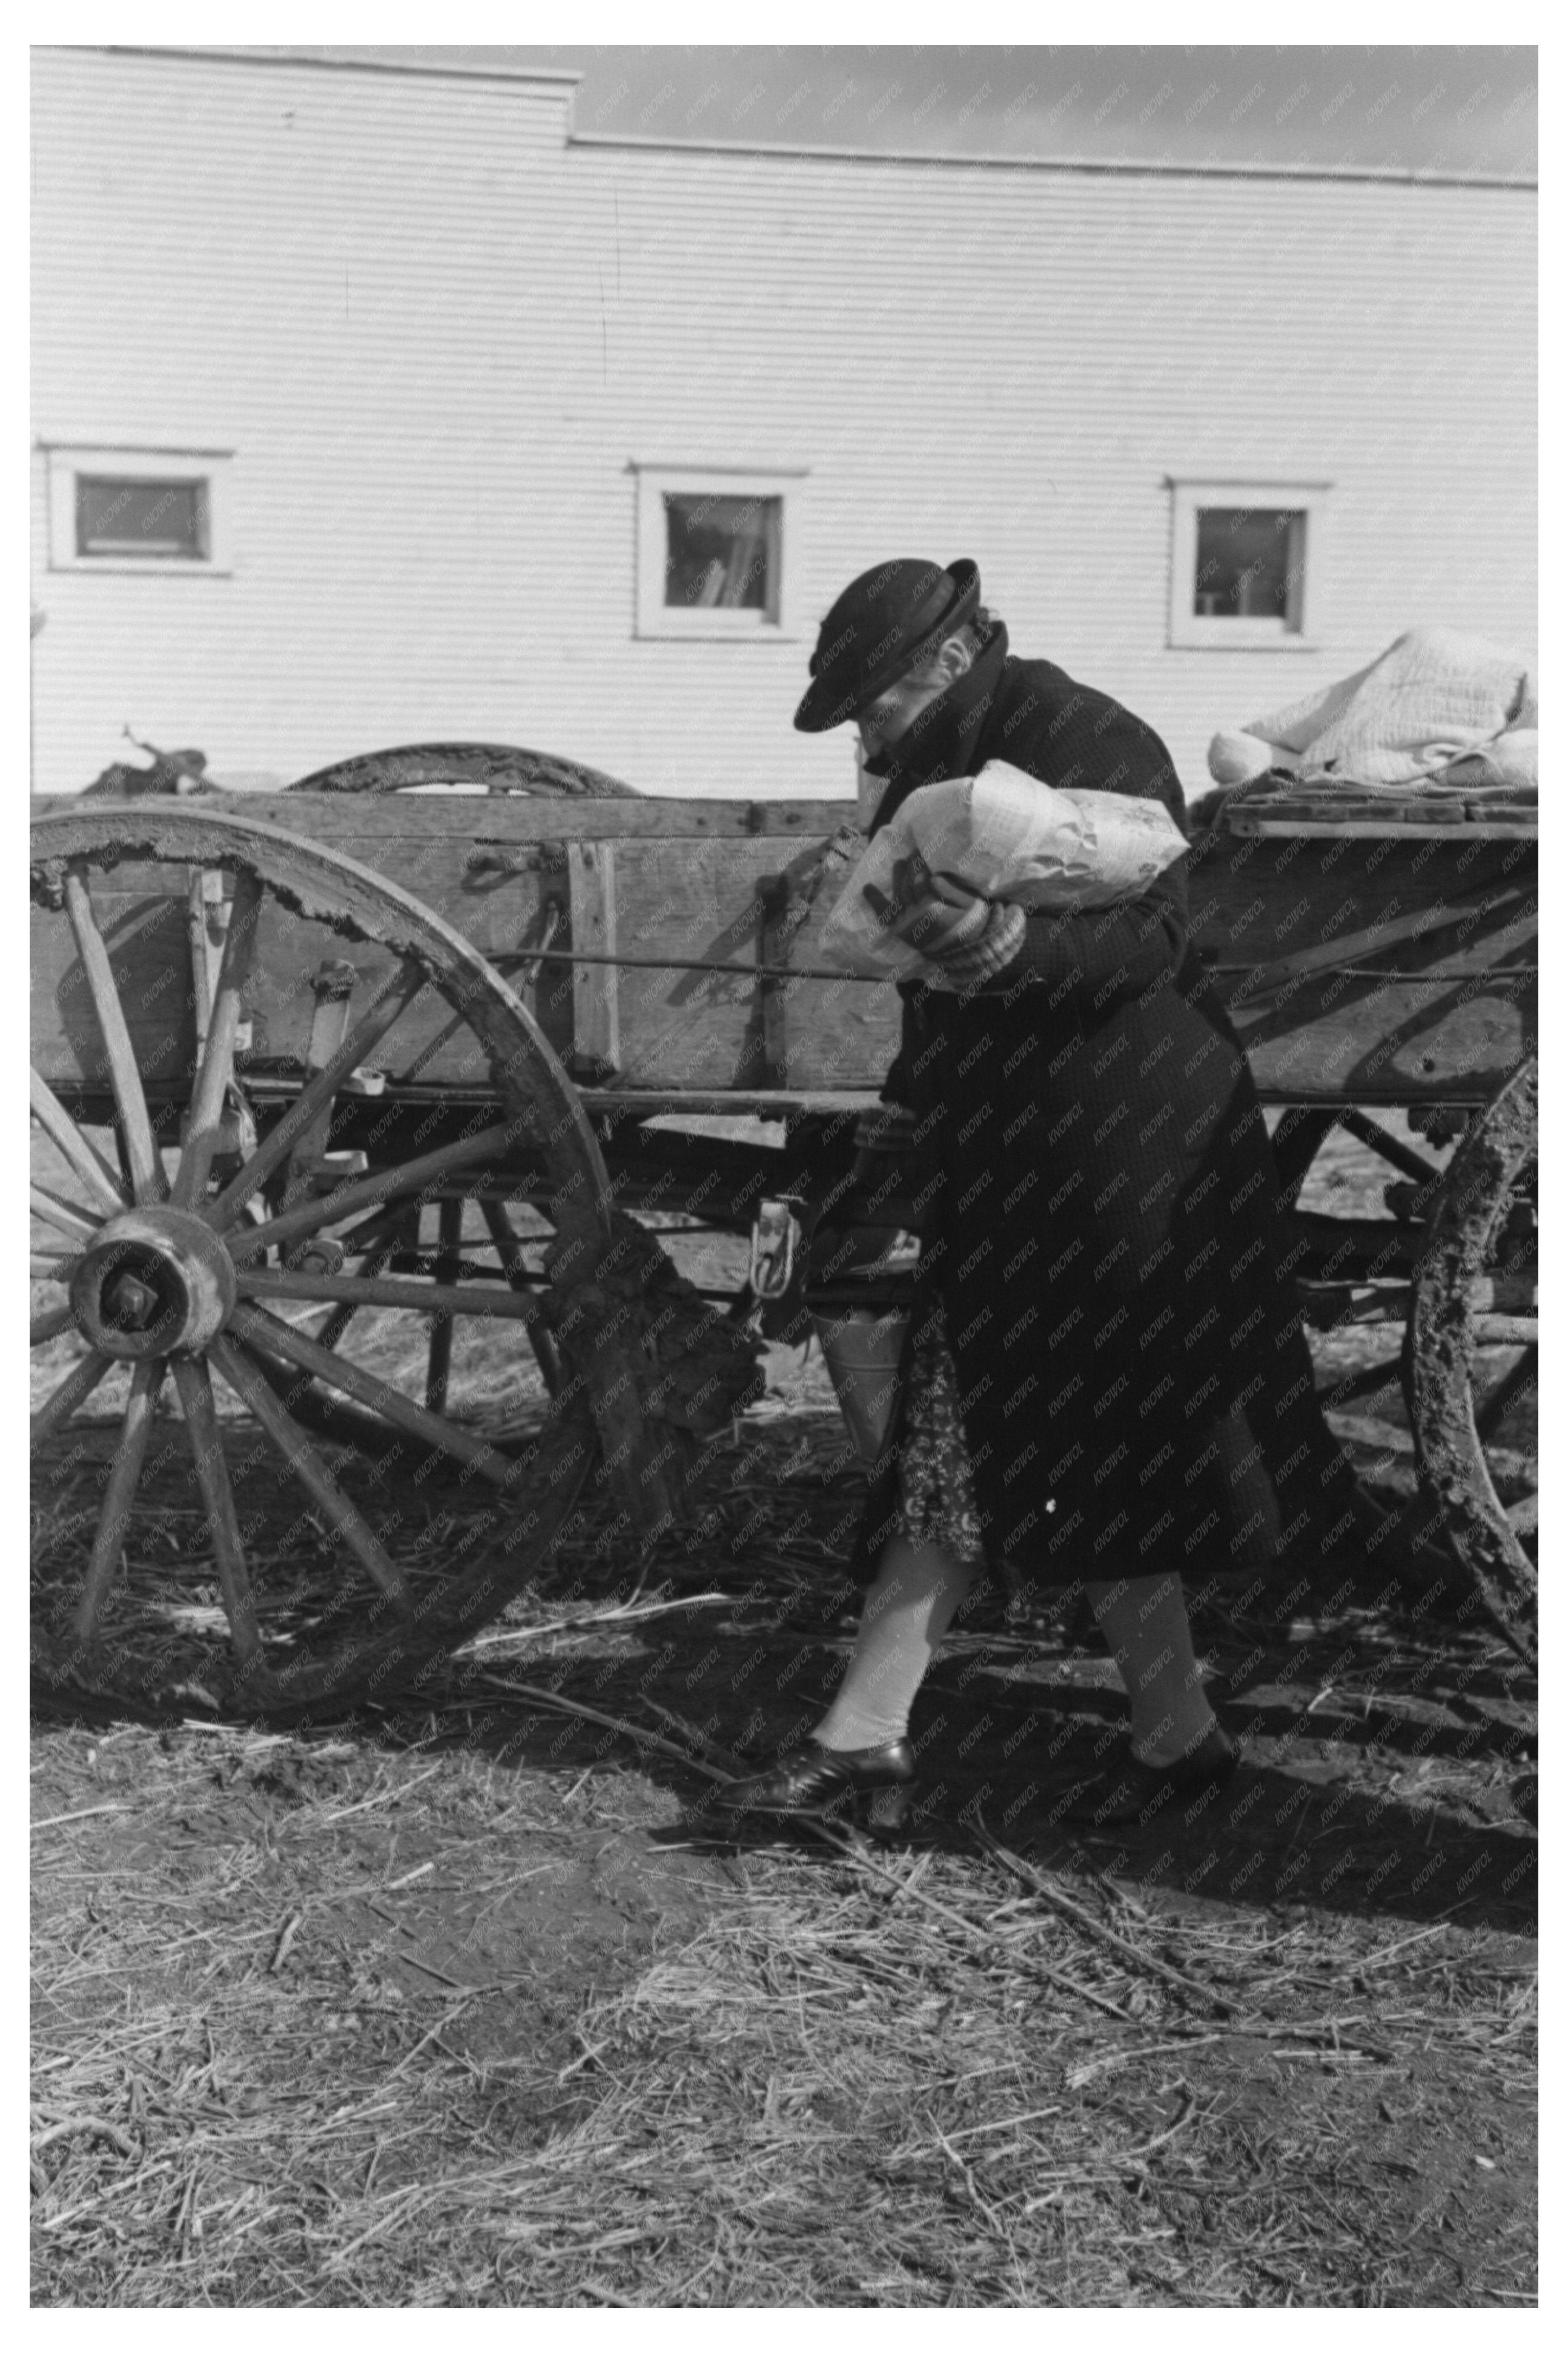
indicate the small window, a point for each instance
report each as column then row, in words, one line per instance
column 1249, row 562
column 1245, row 558
column 115, row 517
column 138, row 510
column 722, row 555
column 713, row 553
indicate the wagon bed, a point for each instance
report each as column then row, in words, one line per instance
column 592, row 965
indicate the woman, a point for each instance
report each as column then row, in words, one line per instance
column 1105, row 1386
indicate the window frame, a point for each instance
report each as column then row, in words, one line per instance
column 1298, row 631
column 69, row 461
column 751, row 625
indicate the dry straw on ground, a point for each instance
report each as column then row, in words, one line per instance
column 825, row 2080
column 475, row 2009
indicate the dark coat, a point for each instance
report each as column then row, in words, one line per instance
column 1107, row 1247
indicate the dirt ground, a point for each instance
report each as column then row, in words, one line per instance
column 475, row 2005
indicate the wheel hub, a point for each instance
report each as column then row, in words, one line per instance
column 153, row 1280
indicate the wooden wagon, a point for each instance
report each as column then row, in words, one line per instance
column 436, row 1063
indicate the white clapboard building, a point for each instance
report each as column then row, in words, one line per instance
column 377, row 405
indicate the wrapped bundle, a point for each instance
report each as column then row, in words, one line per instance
column 950, row 848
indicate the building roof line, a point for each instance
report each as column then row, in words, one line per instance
column 210, row 53
column 1165, row 168
column 564, row 80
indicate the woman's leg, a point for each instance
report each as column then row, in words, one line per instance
column 1144, row 1622
column 908, row 1609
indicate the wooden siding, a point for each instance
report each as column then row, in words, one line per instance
column 436, row 334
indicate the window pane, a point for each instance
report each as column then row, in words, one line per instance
column 722, row 552
column 1244, row 563
column 135, row 518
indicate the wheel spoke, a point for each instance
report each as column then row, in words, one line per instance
column 64, row 1216
column 335, row 1325
column 400, row 993
column 49, row 1326
column 439, row 1368
column 1491, row 1416
column 390, row 1290
column 61, row 1403
column 1371, row 1132
column 1298, row 1139
column 43, row 1268
column 371, row 1192
column 88, row 1163
column 269, row 1333
column 140, row 1151
column 509, row 1249
column 1524, row 1518
column 195, row 1387
column 344, row 1516
column 1383, row 1375
column 216, row 1065
column 124, row 1478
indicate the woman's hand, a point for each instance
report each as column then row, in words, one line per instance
column 974, row 961
column 929, row 912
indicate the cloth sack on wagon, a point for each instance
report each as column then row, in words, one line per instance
column 1437, row 712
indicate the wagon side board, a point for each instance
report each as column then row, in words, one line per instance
column 1370, row 969
column 1373, row 968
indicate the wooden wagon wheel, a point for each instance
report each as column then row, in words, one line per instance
column 1364, row 1279
column 366, row 1275
column 492, row 767
column 1473, row 1354
column 1370, row 1317
column 166, row 1278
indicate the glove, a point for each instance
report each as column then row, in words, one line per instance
column 929, row 912
column 968, row 963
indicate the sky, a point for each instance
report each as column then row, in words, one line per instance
column 1446, row 110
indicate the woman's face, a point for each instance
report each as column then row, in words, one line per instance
column 889, row 717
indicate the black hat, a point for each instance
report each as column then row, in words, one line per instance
column 883, row 624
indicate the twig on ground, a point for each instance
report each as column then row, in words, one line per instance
column 287, row 1934
column 98, row 2126
column 980, row 1936
column 1091, row 2067
column 1117, row 2162
column 1063, row 1904
column 718, row 1757
column 601, row 1621
column 611, row 1723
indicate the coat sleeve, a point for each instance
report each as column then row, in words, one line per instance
column 1105, row 956
column 899, row 1086
column 1108, row 955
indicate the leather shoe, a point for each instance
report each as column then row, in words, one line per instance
column 1135, row 1792
column 875, row 1783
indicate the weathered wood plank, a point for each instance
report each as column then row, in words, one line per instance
column 1258, row 900
column 595, row 999
column 347, row 819
column 1361, row 1037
